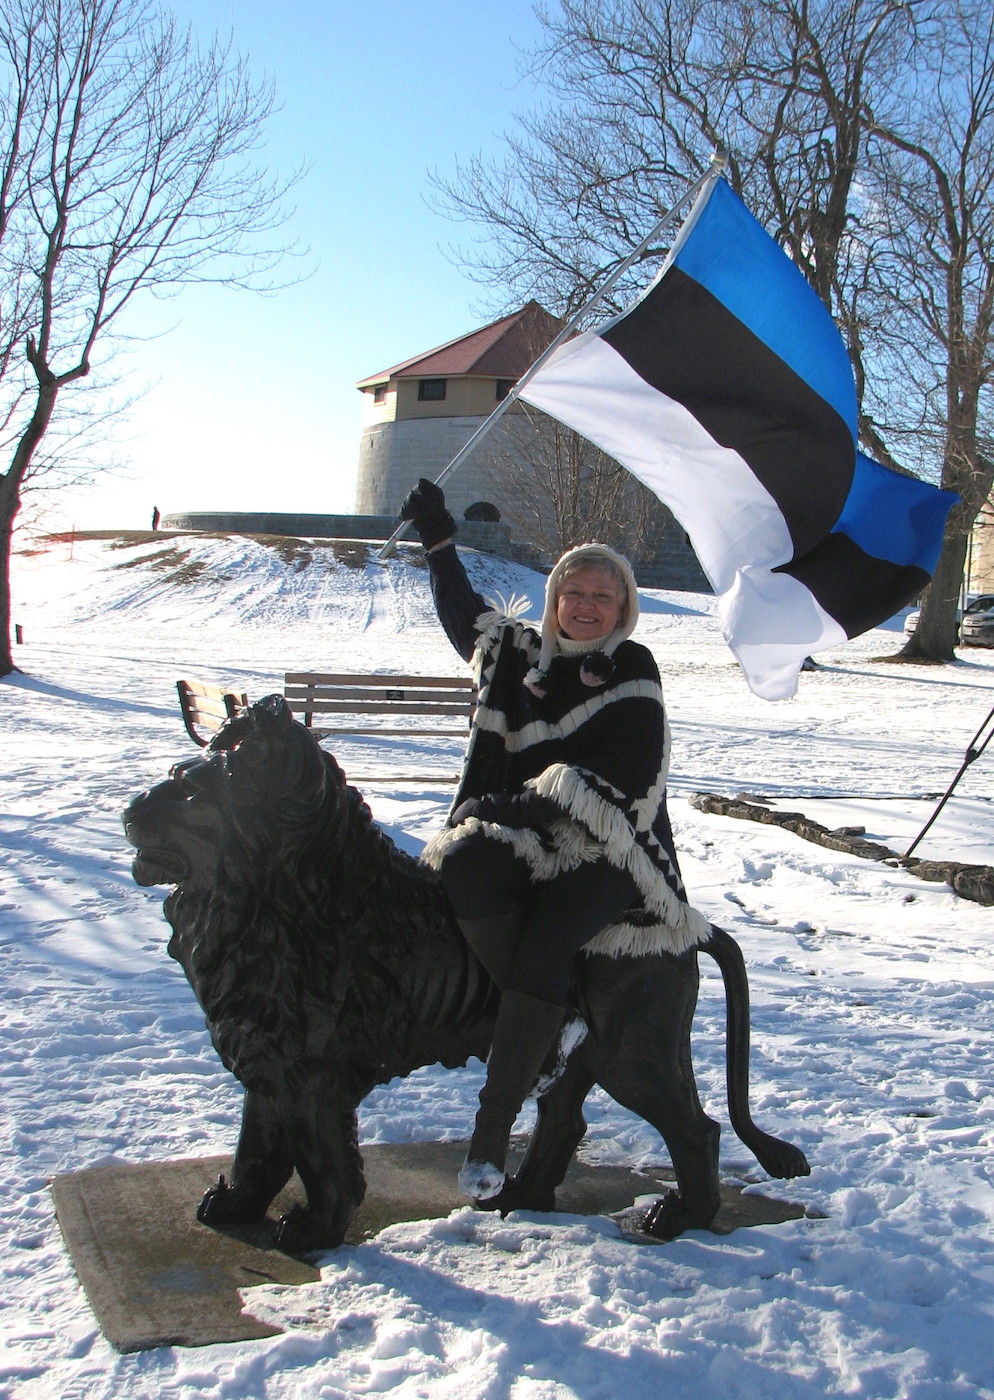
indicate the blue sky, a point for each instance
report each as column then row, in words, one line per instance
column 252, row 401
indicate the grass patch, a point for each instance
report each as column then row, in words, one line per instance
column 189, row 573
column 299, row 554
column 175, row 562
column 352, row 553
column 118, row 539
column 167, row 558
column 132, row 539
column 296, row 554
column 128, row 539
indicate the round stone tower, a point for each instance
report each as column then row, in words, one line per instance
column 418, row 414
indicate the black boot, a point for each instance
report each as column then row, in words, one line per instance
column 494, row 940
column 526, row 1029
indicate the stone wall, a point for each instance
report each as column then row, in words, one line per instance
column 670, row 564
column 475, row 534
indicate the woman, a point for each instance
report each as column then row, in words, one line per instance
column 559, row 830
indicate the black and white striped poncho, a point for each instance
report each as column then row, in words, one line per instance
column 601, row 752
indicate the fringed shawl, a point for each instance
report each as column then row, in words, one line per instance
column 602, row 753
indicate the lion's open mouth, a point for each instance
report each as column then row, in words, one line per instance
column 158, row 868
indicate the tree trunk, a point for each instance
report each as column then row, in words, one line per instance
column 9, row 503
column 937, row 633
column 10, row 488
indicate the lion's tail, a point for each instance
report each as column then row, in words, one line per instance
column 779, row 1158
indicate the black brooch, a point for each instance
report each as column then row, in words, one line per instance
column 596, row 668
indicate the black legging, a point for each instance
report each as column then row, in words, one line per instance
column 483, row 877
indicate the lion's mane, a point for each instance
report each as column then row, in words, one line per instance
column 290, row 958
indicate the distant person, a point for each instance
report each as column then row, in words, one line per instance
column 559, row 828
column 156, row 517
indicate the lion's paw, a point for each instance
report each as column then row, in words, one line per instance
column 302, row 1232
column 779, row 1158
column 516, row 1195
column 669, row 1217
column 225, row 1205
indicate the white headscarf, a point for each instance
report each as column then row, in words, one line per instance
column 592, row 671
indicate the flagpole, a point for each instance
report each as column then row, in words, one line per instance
column 974, row 751
column 719, row 160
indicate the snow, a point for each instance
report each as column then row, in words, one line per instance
column 871, row 1014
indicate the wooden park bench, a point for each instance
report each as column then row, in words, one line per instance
column 206, row 707
column 358, row 704
column 332, row 704
column 348, row 704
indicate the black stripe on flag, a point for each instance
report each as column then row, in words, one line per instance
column 685, row 343
column 857, row 589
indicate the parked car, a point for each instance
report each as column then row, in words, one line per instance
column 976, row 608
column 977, row 627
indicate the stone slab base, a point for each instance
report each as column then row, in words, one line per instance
column 154, row 1276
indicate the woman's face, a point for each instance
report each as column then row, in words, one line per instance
column 589, row 606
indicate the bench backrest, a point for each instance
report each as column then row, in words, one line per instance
column 206, row 707
column 445, row 703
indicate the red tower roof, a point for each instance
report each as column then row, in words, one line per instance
column 502, row 350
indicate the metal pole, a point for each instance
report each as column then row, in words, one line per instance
column 974, row 751
column 719, row 160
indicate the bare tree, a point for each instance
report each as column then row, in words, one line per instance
column 936, row 172
column 553, row 483
column 646, row 89
column 126, row 166
column 860, row 133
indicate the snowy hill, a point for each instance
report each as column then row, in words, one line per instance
column 173, row 577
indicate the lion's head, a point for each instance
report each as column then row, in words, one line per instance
column 262, row 771
column 284, row 890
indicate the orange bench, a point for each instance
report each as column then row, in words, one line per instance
column 206, row 707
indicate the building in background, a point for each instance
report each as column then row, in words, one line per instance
column 417, row 415
column 550, row 487
column 980, row 558
column 531, row 488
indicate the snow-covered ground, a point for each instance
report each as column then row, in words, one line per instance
column 872, row 996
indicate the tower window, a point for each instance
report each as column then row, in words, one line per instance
column 431, row 390
column 380, row 393
column 504, row 387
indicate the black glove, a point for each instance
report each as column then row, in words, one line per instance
column 425, row 508
column 514, row 810
column 465, row 810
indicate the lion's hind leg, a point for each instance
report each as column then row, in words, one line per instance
column 640, row 1052
column 263, row 1165
column 671, row 1106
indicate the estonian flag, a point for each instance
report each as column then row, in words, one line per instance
column 728, row 391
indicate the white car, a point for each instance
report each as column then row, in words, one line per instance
column 968, row 620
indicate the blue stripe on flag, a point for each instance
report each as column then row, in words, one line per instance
column 894, row 517
column 731, row 254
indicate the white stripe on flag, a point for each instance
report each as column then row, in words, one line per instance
column 757, row 612
column 732, row 519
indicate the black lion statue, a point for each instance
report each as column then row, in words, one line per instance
column 327, row 962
